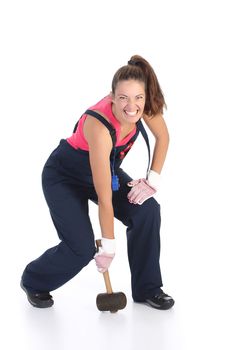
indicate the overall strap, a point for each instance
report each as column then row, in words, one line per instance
column 145, row 136
column 111, row 129
column 96, row 115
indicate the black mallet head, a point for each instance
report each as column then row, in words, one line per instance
column 111, row 302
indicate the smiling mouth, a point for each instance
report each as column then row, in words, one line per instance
column 131, row 114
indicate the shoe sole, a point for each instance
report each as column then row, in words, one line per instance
column 41, row 306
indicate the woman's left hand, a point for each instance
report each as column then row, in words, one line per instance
column 143, row 189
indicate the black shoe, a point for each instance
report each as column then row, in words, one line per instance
column 41, row 300
column 161, row 301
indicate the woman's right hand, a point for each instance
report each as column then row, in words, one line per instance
column 105, row 254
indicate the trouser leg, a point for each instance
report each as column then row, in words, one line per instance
column 143, row 240
column 59, row 264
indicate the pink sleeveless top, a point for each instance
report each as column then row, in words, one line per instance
column 77, row 140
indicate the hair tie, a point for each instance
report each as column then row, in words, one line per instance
column 132, row 63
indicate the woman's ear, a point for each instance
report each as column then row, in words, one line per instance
column 111, row 96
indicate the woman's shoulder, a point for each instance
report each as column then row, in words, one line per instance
column 103, row 105
column 104, row 108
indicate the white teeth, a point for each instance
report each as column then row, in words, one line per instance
column 131, row 113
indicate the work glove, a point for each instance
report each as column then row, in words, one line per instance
column 143, row 189
column 105, row 254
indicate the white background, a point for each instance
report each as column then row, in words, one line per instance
column 58, row 58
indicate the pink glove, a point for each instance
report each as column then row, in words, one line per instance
column 141, row 191
column 105, row 254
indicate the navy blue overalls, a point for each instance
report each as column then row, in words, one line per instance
column 68, row 185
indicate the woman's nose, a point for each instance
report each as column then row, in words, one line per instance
column 131, row 103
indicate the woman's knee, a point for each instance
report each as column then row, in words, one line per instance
column 149, row 208
column 79, row 254
column 85, row 250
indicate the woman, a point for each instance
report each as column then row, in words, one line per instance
column 86, row 166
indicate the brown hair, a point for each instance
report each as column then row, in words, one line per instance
column 139, row 69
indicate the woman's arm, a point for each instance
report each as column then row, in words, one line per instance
column 100, row 146
column 159, row 129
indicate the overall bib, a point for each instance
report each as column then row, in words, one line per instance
column 68, row 185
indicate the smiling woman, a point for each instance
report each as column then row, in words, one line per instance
column 128, row 102
column 86, row 166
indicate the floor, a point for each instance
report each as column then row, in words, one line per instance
column 199, row 319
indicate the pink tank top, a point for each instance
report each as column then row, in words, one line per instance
column 77, row 140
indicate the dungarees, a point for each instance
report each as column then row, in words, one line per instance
column 68, row 185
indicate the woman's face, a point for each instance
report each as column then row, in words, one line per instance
column 129, row 101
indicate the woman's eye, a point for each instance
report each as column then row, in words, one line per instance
column 139, row 97
column 123, row 98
